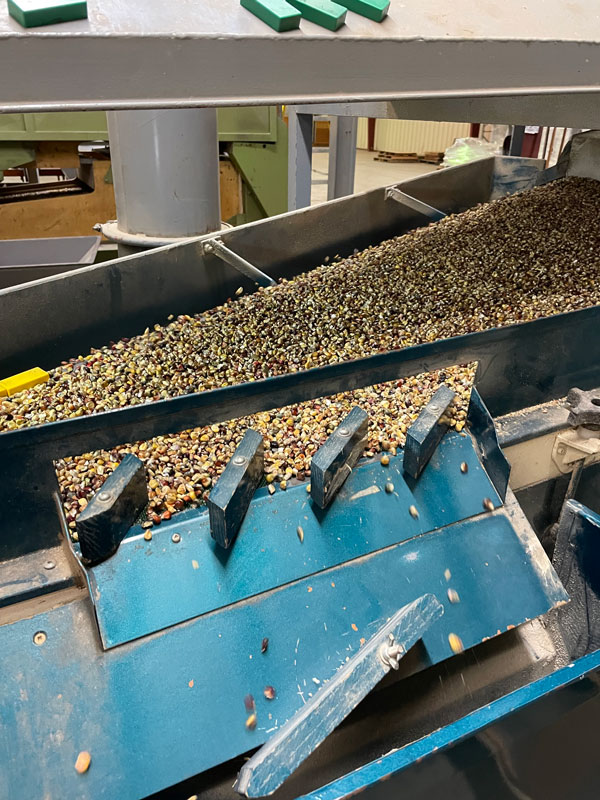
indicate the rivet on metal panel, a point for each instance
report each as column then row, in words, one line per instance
column 49, row 565
column 424, row 435
column 231, row 496
column 39, row 638
column 176, row 538
column 333, row 462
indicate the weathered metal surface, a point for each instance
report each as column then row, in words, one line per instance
column 110, row 513
column 426, row 432
column 530, row 423
column 304, row 732
column 67, row 695
column 229, row 500
column 34, row 574
column 268, row 553
column 584, row 408
column 460, row 752
column 485, row 437
column 333, row 462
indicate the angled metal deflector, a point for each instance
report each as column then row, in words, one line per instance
column 434, row 214
column 304, row 732
column 216, row 247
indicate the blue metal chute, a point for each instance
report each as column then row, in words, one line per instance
column 178, row 622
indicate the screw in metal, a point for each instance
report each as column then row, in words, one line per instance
column 176, row 538
column 49, row 565
column 39, row 638
column 239, row 460
column 343, row 432
column 104, row 496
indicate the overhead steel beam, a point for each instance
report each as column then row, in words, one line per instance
column 223, row 55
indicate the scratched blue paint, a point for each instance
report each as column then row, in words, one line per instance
column 155, row 711
column 266, row 553
column 449, row 735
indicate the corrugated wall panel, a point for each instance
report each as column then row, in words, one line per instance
column 362, row 135
column 416, row 136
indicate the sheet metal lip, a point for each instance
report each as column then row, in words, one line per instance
column 522, row 426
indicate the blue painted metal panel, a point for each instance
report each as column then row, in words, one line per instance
column 178, row 695
column 391, row 764
column 267, row 553
column 275, row 761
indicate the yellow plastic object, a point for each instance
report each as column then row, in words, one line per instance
column 24, row 380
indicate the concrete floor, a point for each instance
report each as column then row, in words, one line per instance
column 369, row 173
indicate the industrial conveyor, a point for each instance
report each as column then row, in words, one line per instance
column 422, row 590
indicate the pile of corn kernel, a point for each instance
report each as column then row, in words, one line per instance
column 520, row 258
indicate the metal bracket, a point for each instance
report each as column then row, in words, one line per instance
column 304, row 732
column 425, row 433
column 218, row 248
column 105, row 520
column 572, row 446
column 229, row 500
column 333, row 462
column 434, row 214
column 584, row 408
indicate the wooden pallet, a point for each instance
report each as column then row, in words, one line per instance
column 431, row 158
column 396, row 158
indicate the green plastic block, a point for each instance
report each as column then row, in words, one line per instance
column 279, row 14
column 325, row 13
column 31, row 13
column 373, row 9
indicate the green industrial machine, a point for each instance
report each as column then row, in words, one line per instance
column 254, row 138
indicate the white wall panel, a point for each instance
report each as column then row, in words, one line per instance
column 416, row 136
column 362, row 136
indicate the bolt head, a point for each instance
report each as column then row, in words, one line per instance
column 239, row 460
column 343, row 432
column 104, row 496
column 49, row 565
column 176, row 538
column 39, row 638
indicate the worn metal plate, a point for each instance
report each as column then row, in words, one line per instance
column 178, row 696
column 166, row 583
column 524, row 731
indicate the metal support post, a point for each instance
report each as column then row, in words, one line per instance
column 342, row 156
column 300, row 134
column 166, row 176
column 516, row 140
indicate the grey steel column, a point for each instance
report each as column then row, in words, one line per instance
column 300, row 135
column 342, row 156
column 165, row 167
column 516, row 140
